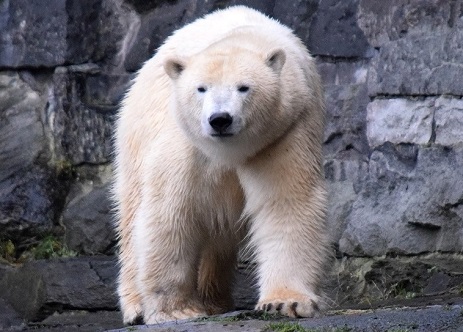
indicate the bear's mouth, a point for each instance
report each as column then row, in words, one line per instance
column 221, row 134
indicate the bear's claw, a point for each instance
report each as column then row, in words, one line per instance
column 288, row 307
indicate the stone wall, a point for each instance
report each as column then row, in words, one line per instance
column 393, row 75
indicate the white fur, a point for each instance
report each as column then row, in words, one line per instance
column 181, row 192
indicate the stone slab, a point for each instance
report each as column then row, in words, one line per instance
column 428, row 64
column 449, row 121
column 400, row 120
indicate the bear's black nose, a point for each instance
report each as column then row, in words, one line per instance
column 220, row 121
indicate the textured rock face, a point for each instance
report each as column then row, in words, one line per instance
column 81, row 131
column 410, row 203
column 393, row 142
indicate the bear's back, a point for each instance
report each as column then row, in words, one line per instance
column 199, row 35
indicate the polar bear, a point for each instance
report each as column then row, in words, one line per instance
column 218, row 140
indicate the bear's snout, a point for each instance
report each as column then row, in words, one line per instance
column 220, row 122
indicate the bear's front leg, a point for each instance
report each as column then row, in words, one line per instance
column 289, row 235
column 168, row 258
column 291, row 247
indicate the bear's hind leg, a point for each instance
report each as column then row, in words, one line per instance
column 215, row 277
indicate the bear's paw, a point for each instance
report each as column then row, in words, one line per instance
column 132, row 314
column 179, row 314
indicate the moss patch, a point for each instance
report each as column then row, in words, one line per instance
column 45, row 248
column 51, row 247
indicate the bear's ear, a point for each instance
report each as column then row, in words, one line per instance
column 174, row 67
column 276, row 59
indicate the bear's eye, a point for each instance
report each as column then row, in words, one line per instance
column 202, row 89
column 243, row 88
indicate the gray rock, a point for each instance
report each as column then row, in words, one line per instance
column 341, row 196
column 82, row 133
column 297, row 15
column 449, row 121
column 97, row 31
column 32, row 191
column 344, row 73
column 400, row 120
column 39, row 288
column 89, row 222
column 345, row 173
column 385, row 21
column 34, row 34
column 22, row 138
column 411, row 203
column 105, row 91
column 346, row 166
column 245, row 292
column 8, row 317
column 334, row 31
column 31, row 203
column 429, row 64
column 346, row 119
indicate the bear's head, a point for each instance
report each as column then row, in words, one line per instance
column 228, row 100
